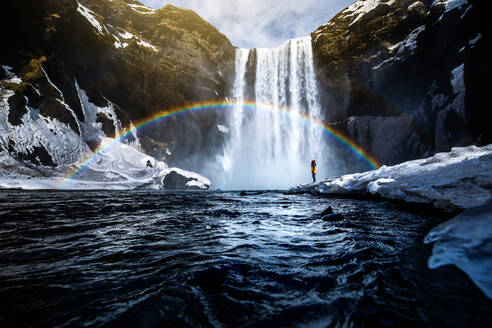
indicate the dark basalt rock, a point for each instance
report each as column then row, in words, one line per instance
column 175, row 181
column 327, row 211
column 52, row 107
column 400, row 104
column 107, row 125
column 18, row 108
column 333, row 217
column 39, row 156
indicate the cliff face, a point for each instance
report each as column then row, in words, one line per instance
column 404, row 78
column 407, row 78
column 96, row 65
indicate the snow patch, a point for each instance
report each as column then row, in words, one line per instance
column 141, row 9
column 119, row 45
column 88, row 14
column 413, row 5
column 404, row 48
column 410, row 43
column 196, row 180
column 126, row 35
column 147, row 45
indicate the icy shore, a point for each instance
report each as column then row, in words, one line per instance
column 466, row 241
column 116, row 166
column 450, row 181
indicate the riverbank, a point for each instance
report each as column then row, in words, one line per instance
column 453, row 182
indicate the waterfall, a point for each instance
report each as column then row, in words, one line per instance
column 268, row 148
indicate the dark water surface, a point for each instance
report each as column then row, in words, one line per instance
column 221, row 259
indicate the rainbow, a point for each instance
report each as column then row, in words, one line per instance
column 337, row 135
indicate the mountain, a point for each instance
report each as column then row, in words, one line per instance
column 406, row 78
column 77, row 70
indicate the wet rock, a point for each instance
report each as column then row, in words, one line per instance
column 333, row 217
column 176, row 181
column 327, row 211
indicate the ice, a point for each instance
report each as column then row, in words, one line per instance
column 120, row 166
column 87, row 13
column 90, row 128
column 115, row 166
column 457, row 81
column 459, row 89
column 458, row 179
column 11, row 77
column 466, row 241
column 60, row 141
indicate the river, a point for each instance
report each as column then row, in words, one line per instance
column 155, row 258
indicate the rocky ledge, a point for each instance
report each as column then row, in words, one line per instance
column 450, row 181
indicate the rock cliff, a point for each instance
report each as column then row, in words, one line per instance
column 98, row 66
column 407, row 78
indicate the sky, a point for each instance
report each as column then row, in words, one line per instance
column 261, row 23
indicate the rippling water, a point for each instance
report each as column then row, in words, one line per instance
column 221, row 259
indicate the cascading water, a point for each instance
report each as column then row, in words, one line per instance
column 268, row 148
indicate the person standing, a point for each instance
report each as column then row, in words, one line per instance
column 313, row 170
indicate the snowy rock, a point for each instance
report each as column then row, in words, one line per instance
column 466, row 241
column 115, row 166
column 178, row 179
column 450, row 181
column 383, row 59
column 89, row 15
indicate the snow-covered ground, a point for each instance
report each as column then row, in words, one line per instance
column 114, row 166
column 460, row 179
column 450, row 181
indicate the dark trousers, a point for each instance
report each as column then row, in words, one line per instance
column 314, row 177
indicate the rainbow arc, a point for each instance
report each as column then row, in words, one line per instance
column 250, row 105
